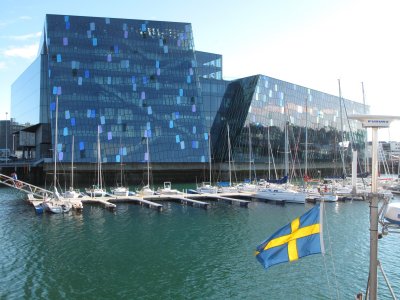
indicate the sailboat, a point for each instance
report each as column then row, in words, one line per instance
column 56, row 203
column 120, row 190
column 230, row 188
column 207, row 187
column 72, row 193
column 147, row 190
column 97, row 189
column 279, row 193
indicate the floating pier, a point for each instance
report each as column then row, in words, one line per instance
column 185, row 200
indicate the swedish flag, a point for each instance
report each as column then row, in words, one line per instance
column 301, row 237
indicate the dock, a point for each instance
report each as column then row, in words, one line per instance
column 185, row 200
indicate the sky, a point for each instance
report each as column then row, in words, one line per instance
column 312, row 43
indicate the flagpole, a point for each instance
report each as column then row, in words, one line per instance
column 321, row 226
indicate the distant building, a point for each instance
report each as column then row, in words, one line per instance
column 137, row 79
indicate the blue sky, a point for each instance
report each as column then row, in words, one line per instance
column 311, row 42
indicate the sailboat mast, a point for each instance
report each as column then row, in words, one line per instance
column 99, row 181
column 269, row 155
column 286, row 149
column 341, row 125
column 366, row 165
column 72, row 161
column 120, row 155
column 148, row 161
column 209, row 154
column 229, row 156
column 306, row 148
column 249, row 153
column 55, row 145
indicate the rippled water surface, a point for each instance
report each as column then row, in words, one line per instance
column 182, row 252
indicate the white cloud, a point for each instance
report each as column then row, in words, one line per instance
column 2, row 65
column 27, row 51
column 25, row 18
column 24, row 37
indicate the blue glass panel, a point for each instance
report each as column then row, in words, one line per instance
column 188, row 79
column 117, row 158
column 194, row 108
column 148, row 125
column 133, row 79
column 80, row 80
column 92, row 26
column 81, row 145
column 59, row 90
column 66, row 18
column 142, row 95
column 52, row 106
column 65, row 41
column 72, row 121
column 65, row 132
column 171, row 124
column 109, row 80
column 157, row 64
column 180, row 92
column 146, row 156
column 194, row 130
column 93, row 113
column 177, row 115
column 182, row 145
column 94, row 41
column 109, row 58
column 149, row 110
column 54, row 90
column 206, row 136
column 109, row 135
column 203, row 159
column 144, row 80
column 165, row 49
column 58, row 58
column 67, row 115
column 116, row 49
column 178, row 100
column 67, row 25
column 60, row 156
column 102, row 120
column 177, row 138
column 87, row 73
column 89, row 113
column 59, row 147
column 124, row 152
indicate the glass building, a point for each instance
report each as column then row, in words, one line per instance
column 137, row 80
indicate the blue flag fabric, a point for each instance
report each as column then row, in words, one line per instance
column 299, row 238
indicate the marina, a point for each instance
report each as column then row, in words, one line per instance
column 135, row 252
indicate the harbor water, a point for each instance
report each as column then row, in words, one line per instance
column 182, row 252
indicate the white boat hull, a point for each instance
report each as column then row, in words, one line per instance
column 280, row 195
column 392, row 213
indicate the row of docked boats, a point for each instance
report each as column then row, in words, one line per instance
column 328, row 190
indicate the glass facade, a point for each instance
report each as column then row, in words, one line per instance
column 136, row 79
column 257, row 108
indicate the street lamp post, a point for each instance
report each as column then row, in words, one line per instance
column 374, row 122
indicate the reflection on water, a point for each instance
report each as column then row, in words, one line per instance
column 181, row 252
